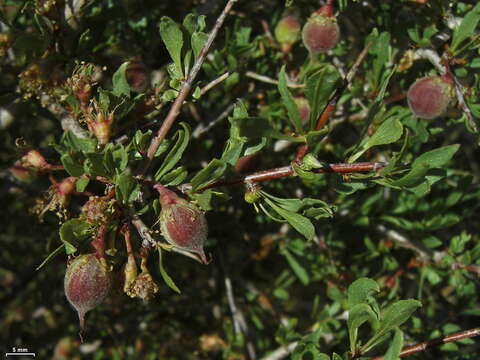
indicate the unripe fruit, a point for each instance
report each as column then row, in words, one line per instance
column 34, row 159
column 182, row 223
column 22, row 173
column 87, row 283
column 303, row 108
column 429, row 97
column 321, row 32
column 287, row 32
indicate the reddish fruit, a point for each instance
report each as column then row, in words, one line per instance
column 87, row 283
column 182, row 223
column 287, row 32
column 321, row 32
column 303, row 108
column 137, row 76
column 429, row 97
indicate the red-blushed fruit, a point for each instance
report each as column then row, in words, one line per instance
column 321, row 32
column 22, row 173
column 182, row 223
column 87, row 283
column 137, row 76
column 303, row 108
column 287, row 32
column 429, row 97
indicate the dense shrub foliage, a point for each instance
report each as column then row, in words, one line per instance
column 340, row 200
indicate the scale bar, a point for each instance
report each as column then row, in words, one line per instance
column 20, row 353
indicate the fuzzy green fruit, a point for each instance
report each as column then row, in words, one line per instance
column 287, row 32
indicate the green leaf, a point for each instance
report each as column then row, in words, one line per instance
column 357, row 316
column 466, row 28
column 95, row 166
column 168, row 280
column 320, row 85
column 361, row 290
column 213, row 171
column 298, row 222
column 173, row 38
column 85, row 145
column 288, row 101
column 126, row 187
column 73, row 232
column 174, row 177
column 390, row 131
column 175, row 154
column 397, row 314
column 81, row 184
column 298, row 269
column 436, row 158
column 120, row 82
column 198, row 41
column 71, row 166
column 393, row 352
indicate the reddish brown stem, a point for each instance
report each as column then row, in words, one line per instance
column 285, row 171
column 394, row 98
column 435, row 342
column 99, row 242
column 184, row 91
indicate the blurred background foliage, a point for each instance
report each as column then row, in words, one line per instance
column 422, row 245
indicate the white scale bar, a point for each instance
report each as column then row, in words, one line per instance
column 20, row 353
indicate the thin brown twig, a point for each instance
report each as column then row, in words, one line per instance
column 286, row 171
column 184, row 91
column 214, row 82
column 435, row 342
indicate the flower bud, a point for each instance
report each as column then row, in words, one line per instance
column 22, row 173
column 287, row 32
column 429, row 97
column 321, row 32
column 182, row 223
column 34, row 159
column 87, row 283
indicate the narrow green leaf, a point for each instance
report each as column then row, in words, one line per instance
column 397, row 314
column 288, row 101
column 213, row 171
column 299, row 222
column 393, row 352
column 126, row 187
column 320, row 85
column 175, row 154
column 173, row 38
column 168, row 280
column 298, row 269
column 174, row 177
column 466, row 28
column 50, row 256
column 357, row 316
column 120, row 82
